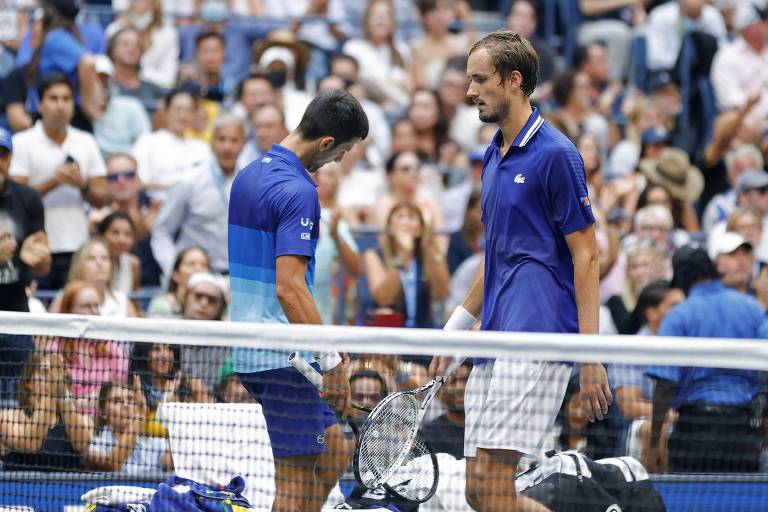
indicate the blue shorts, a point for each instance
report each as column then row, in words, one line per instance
column 296, row 416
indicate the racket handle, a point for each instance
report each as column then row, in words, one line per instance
column 312, row 375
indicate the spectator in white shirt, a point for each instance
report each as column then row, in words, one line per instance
column 383, row 59
column 740, row 68
column 167, row 155
column 669, row 22
column 65, row 167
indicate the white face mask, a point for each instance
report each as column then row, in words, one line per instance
column 142, row 21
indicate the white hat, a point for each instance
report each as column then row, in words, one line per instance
column 206, row 277
column 725, row 243
column 280, row 53
column 104, row 66
column 748, row 12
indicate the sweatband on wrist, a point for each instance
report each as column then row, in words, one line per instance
column 460, row 320
column 327, row 360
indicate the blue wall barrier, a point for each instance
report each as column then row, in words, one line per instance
column 51, row 492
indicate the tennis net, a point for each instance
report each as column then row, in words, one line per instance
column 123, row 404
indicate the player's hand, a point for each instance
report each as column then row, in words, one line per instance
column 439, row 366
column 594, row 390
column 336, row 387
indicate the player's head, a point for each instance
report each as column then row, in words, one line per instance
column 333, row 122
column 502, row 67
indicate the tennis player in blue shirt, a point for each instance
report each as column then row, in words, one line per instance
column 540, row 273
column 274, row 219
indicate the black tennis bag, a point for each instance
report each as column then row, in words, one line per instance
column 570, row 482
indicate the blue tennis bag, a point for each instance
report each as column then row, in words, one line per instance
column 570, row 482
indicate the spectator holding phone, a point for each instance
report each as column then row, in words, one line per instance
column 65, row 166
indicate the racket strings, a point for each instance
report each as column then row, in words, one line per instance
column 385, row 438
column 417, row 477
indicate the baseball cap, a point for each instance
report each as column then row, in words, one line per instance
column 67, row 8
column 751, row 179
column 748, row 12
column 725, row 243
column 654, row 135
column 104, row 66
column 206, row 277
column 6, row 140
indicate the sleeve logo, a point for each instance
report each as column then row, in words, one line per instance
column 305, row 236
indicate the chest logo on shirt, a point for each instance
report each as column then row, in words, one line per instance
column 519, row 178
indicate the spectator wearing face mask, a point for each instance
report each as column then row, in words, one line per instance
column 160, row 60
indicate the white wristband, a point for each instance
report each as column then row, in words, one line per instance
column 327, row 360
column 460, row 320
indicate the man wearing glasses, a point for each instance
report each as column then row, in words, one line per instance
column 124, row 192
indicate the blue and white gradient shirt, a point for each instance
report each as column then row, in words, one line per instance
column 533, row 196
column 273, row 211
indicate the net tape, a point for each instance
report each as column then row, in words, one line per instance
column 705, row 352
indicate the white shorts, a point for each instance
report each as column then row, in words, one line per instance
column 512, row 404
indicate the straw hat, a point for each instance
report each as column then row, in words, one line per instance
column 673, row 170
column 286, row 39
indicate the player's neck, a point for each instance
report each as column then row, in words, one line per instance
column 305, row 150
column 519, row 113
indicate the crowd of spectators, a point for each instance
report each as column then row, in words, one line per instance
column 124, row 128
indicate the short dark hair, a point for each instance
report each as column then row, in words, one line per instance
column 178, row 92
column 425, row 6
column 692, row 265
column 209, row 35
column 562, row 87
column 650, row 297
column 510, row 52
column 52, row 79
column 103, row 226
column 334, row 113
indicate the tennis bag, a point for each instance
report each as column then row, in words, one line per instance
column 570, row 482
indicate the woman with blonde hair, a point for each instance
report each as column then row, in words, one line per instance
column 92, row 263
column 160, row 41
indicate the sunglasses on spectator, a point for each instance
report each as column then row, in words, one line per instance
column 762, row 190
column 126, row 175
column 407, row 168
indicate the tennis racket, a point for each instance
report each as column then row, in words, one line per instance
column 390, row 432
column 417, row 476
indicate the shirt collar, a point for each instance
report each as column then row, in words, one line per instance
column 292, row 159
column 529, row 129
column 706, row 288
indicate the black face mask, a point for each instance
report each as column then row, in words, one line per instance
column 277, row 78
